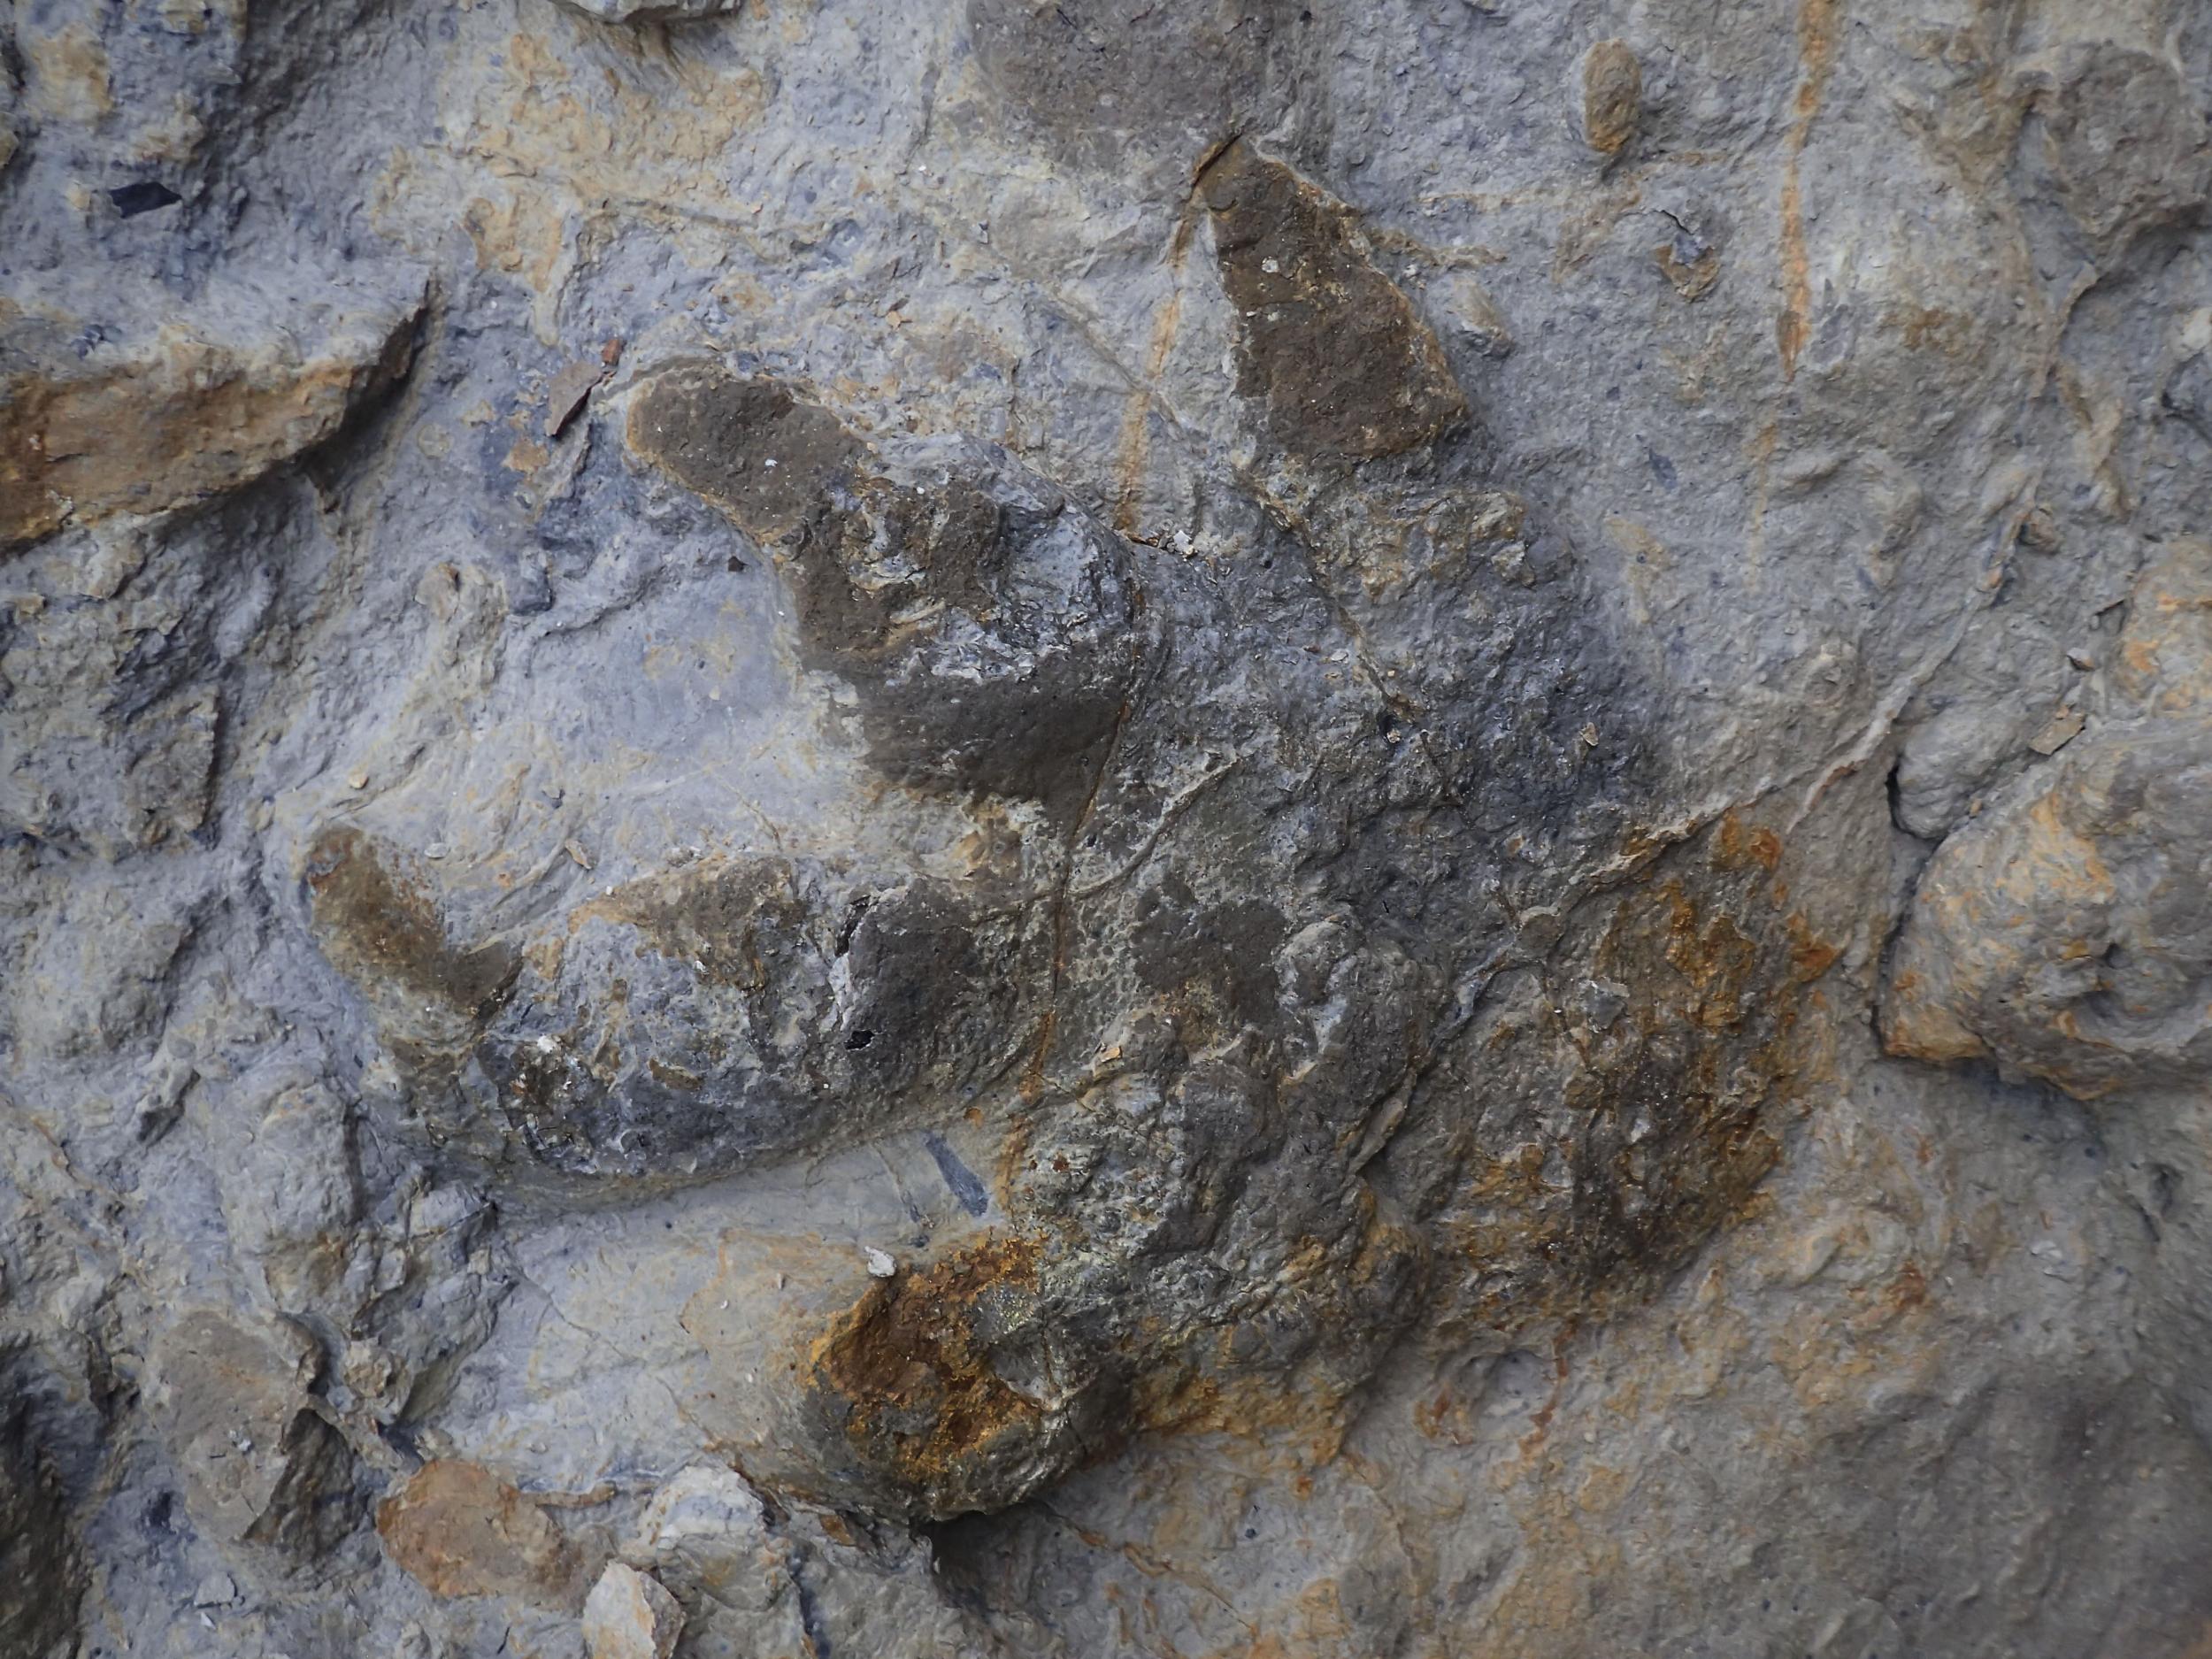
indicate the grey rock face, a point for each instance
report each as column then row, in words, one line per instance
column 38, row 1547
column 2064, row 931
column 668, row 12
column 1153, row 829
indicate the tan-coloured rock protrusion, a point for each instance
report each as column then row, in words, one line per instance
column 192, row 412
column 629, row 1616
column 1612, row 96
column 458, row 1529
column 2066, row 932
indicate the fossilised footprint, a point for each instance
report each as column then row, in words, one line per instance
column 988, row 625
column 1193, row 969
column 682, row 1025
column 745, row 1006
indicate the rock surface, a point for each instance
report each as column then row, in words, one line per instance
column 628, row 1616
column 2066, row 930
column 143, row 427
column 1161, row 830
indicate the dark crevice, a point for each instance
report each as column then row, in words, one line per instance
column 142, row 196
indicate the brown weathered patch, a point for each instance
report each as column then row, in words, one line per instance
column 1933, row 329
column 188, row 419
column 70, row 77
column 853, row 577
column 1612, row 96
column 380, row 927
column 723, row 918
column 1793, row 325
column 1816, row 50
column 1692, row 279
column 1909, row 1290
column 1669, row 1088
column 1347, row 369
column 991, row 648
column 1810, row 954
column 909, row 1372
column 457, row 1529
column 1103, row 84
column 1737, row 846
column 1674, row 1142
column 1216, row 1380
column 758, row 452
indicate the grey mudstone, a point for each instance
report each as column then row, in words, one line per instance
column 652, row 10
column 1140, row 829
column 2067, row 930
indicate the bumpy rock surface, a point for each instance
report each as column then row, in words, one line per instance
column 2066, row 930
column 845, row 829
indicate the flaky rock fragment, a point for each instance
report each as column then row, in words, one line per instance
column 629, row 1616
column 700, row 1527
column 259, row 1464
column 755, row 1581
column 2067, row 930
column 706, row 1536
column 186, row 411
